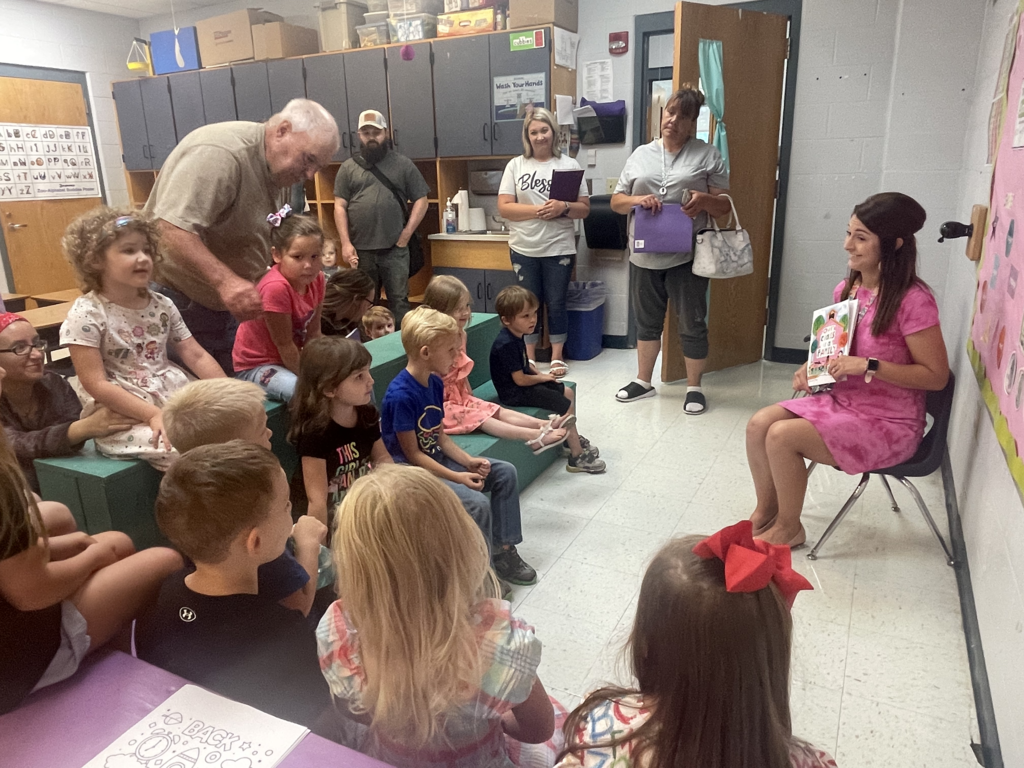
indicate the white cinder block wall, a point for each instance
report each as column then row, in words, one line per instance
column 47, row 35
column 990, row 506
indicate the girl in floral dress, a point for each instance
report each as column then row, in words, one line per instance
column 465, row 413
column 119, row 331
column 710, row 653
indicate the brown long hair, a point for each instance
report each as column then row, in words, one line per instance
column 20, row 522
column 712, row 665
column 890, row 216
column 324, row 363
column 344, row 287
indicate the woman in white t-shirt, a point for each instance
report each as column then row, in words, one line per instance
column 543, row 236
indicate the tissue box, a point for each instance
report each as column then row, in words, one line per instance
column 228, row 38
column 165, row 58
column 531, row 13
column 465, row 23
column 278, row 40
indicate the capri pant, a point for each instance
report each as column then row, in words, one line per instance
column 651, row 291
column 547, row 277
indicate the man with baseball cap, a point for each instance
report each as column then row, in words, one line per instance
column 372, row 193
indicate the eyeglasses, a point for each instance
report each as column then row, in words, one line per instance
column 23, row 348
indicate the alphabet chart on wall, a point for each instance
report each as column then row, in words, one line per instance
column 47, row 162
column 198, row 729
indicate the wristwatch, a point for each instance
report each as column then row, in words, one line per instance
column 566, row 211
column 869, row 374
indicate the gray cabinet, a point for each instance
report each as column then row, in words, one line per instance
column 463, row 98
column 506, row 134
column 252, row 91
column 411, row 90
column 187, row 103
column 218, row 95
column 286, row 82
column 366, row 84
column 146, row 121
column 325, row 84
column 484, row 284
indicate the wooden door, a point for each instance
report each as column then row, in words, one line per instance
column 754, row 48
column 32, row 228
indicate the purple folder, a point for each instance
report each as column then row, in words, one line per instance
column 668, row 231
column 565, row 185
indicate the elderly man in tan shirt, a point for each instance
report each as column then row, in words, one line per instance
column 212, row 198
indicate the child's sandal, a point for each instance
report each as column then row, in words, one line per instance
column 538, row 446
column 562, row 422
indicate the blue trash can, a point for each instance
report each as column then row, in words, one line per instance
column 585, row 302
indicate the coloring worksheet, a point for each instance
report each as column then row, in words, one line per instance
column 198, row 729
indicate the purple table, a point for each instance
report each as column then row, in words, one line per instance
column 68, row 724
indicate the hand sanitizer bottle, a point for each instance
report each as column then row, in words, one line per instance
column 449, row 218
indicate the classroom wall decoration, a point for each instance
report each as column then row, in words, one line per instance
column 47, row 162
column 996, row 343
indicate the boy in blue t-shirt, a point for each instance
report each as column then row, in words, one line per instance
column 411, row 418
column 519, row 384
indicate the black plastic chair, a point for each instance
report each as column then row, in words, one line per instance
column 926, row 460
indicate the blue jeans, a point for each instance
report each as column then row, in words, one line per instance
column 499, row 519
column 389, row 267
column 276, row 380
column 548, row 278
column 213, row 329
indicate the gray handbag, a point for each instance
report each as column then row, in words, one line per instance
column 722, row 253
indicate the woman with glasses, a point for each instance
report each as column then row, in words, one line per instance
column 39, row 410
column 349, row 293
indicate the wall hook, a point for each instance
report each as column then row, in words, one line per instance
column 954, row 229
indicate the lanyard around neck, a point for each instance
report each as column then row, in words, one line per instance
column 663, row 190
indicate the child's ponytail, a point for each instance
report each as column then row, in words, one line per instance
column 20, row 522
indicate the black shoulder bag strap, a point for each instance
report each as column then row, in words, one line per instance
column 416, row 260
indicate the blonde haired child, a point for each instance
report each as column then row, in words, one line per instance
column 329, row 257
column 215, row 411
column 710, row 651
column 334, row 424
column 119, row 331
column 418, row 645
column 267, row 349
column 377, row 322
column 464, row 413
column 63, row 593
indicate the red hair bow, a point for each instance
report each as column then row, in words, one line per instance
column 751, row 564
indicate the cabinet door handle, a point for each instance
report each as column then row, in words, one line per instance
column 394, row 136
column 352, row 141
column 494, row 132
column 486, row 137
column 145, row 151
column 479, row 290
column 344, row 139
column 152, row 154
column 488, row 291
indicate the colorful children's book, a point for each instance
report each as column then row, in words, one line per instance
column 831, row 335
column 198, row 729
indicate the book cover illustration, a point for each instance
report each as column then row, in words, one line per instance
column 831, row 336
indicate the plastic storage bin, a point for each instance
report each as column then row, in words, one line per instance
column 585, row 302
column 400, row 8
column 376, row 6
column 373, row 34
column 378, row 17
column 416, row 26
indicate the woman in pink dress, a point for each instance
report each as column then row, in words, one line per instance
column 874, row 416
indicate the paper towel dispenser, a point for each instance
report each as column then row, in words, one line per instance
column 604, row 228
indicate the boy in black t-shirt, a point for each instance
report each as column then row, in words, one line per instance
column 520, row 384
column 212, row 411
column 226, row 507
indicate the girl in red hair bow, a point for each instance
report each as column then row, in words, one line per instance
column 710, row 653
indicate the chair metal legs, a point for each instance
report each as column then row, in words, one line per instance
column 928, row 518
column 813, row 554
column 888, row 490
column 859, row 491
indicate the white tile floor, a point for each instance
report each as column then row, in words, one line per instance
column 880, row 675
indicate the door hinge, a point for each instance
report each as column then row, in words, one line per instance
column 778, row 188
column 789, row 47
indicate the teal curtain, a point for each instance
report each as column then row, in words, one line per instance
column 710, row 57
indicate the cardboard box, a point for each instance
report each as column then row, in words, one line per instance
column 228, row 38
column 531, row 13
column 338, row 24
column 465, row 23
column 166, row 54
column 278, row 40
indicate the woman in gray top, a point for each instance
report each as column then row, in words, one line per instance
column 677, row 169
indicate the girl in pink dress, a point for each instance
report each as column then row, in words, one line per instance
column 710, row 654
column 465, row 413
column 874, row 416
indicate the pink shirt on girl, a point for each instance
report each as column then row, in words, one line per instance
column 253, row 345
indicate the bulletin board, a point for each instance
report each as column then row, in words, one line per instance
column 47, row 162
column 996, row 343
